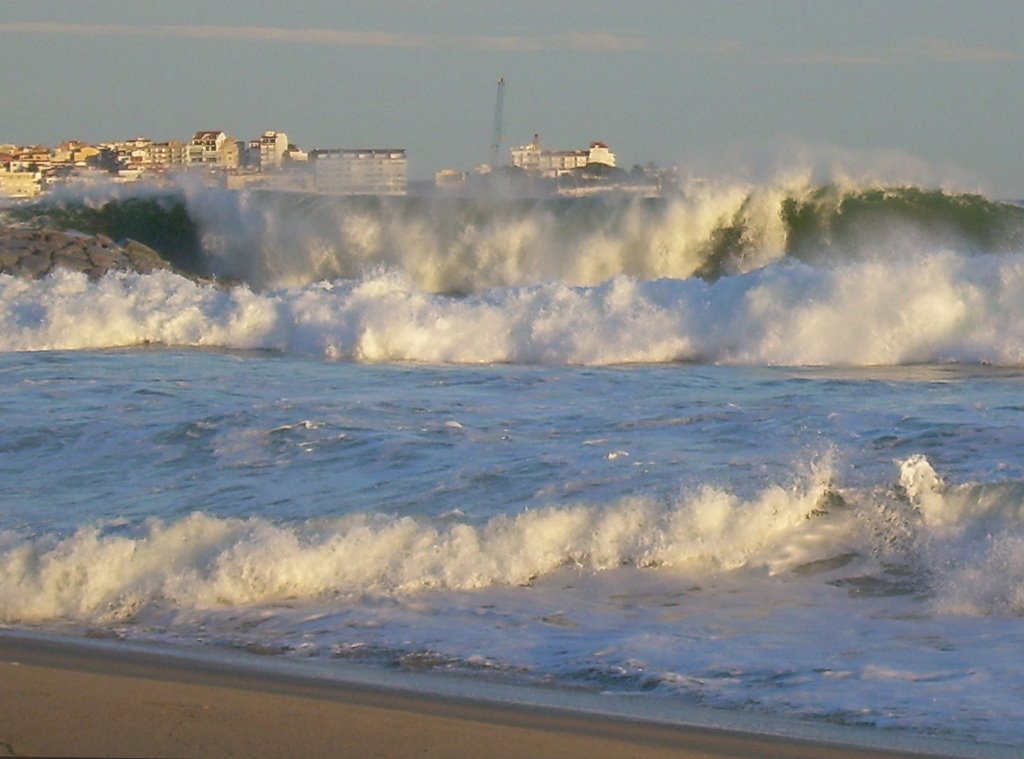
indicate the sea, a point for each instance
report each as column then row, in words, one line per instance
column 752, row 448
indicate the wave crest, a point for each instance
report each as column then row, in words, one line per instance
column 864, row 540
column 444, row 245
column 936, row 309
column 207, row 562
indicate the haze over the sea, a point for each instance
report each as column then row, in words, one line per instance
column 930, row 87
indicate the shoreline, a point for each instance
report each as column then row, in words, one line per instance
column 69, row 697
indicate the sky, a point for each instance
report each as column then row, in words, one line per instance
column 927, row 90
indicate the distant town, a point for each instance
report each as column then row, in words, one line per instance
column 272, row 162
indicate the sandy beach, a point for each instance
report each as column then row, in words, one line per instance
column 65, row 699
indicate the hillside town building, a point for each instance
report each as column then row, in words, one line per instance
column 271, row 162
column 270, row 150
column 214, row 149
column 553, row 163
column 167, row 155
column 20, row 184
column 367, row 171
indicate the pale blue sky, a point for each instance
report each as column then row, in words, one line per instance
column 931, row 86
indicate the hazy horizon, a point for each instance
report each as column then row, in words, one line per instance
column 918, row 91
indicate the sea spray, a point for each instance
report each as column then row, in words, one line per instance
column 206, row 562
column 935, row 307
column 468, row 245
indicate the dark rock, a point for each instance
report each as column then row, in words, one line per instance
column 104, row 259
column 74, row 260
column 32, row 267
column 34, row 253
column 51, row 243
column 143, row 259
column 15, row 243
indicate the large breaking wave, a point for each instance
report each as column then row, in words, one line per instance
column 449, row 245
column 784, row 273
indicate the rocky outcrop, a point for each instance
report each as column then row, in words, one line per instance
column 34, row 253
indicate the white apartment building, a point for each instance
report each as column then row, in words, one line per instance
column 368, row 171
column 272, row 148
column 553, row 163
column 167, row 155
column 213, row 149
column 600, row 153
column 20, row 184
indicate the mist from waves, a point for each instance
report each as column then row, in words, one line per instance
column 709, row 228
column 803, row 268
column 463, row 246
column 935, row 308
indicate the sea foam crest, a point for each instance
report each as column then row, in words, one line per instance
column 966, row 562
column 936, row 307
column 466, row 245
column 472, row 245
column 714, row 227
column 975, row 540
column 207, row 562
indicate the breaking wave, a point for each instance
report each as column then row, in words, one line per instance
column 918, row 537
column 942, row 307
column 457, row 246
column 782, row 274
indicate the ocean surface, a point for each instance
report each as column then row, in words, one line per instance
column 755, row 448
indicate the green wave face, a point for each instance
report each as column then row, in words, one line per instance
column 468, row 245
column 162, row 222
column 834, row 223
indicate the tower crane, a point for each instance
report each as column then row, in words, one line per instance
column 499, row 107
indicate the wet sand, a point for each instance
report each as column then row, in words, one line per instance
column 68, row 699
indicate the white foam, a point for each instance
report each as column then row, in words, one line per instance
column 935, row 307
column 203, row 562
column 206, row 562
column 473, row 246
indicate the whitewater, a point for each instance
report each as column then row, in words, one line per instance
column 753, row 448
